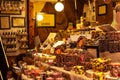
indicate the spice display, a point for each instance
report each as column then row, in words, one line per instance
column 100, row 65
column 79, row 69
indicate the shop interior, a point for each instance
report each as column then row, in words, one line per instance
column 59, row 39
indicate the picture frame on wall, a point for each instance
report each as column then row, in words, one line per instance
column 18, row 22
column 45, row 20
column 4, row 22
column 102, row 9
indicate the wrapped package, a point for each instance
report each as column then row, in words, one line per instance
column 115, row 70
column 98, row 76
column 79, row 69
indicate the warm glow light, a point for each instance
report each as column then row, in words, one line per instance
column 39, row 17
column 59, row 6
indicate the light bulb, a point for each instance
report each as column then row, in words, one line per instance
column 59, row 6
column 39, row 17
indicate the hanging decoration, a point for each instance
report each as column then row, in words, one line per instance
column 75, row 5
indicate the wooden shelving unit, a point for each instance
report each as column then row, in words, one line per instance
column 15, row 43
column 23, row 41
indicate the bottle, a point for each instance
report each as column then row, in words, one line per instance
column 70, row 26
column 81, row 22
column 77, row 24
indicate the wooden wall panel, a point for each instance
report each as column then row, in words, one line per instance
column 104, row 19
column 73, row 14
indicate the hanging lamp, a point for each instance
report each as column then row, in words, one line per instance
column 59, row 6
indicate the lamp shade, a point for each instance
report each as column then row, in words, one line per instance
column 59, row 6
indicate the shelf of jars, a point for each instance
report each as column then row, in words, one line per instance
column 22, row 34
column 10, row 43
column 12, row 49
column 14, row 41
column 14, row 53
column 23, row 40
column 7, row 37
column 9, row 40
column 24, row 46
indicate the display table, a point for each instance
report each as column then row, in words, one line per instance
column 71, row 74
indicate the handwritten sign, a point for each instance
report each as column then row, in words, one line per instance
column 47, row 21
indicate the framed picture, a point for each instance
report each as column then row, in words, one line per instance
column 45, row 20
column 10, row 7
column 4, row 22
column 102, row 9
column 18, row 21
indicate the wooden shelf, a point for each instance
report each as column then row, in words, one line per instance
column 13, row 42
column 23, row 47
column 5, row 37
column 23, row 40
column 12, row 54
column 23, row 34
column 11, row 50
column 7, row 44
